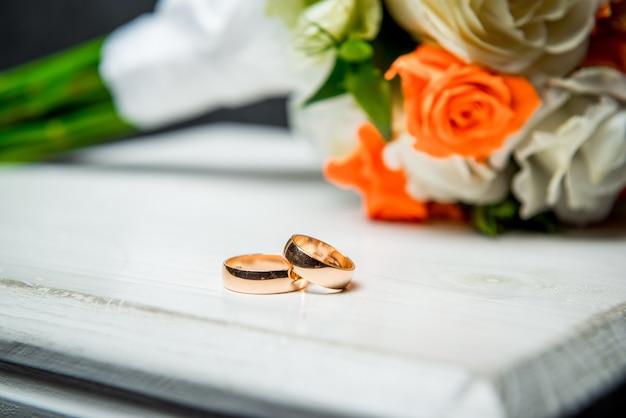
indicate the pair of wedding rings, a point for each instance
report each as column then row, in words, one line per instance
column 304, row 259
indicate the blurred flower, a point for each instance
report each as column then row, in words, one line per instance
column 382, row 189
column 318, row 28
column 517, row 37
column 486, row 123
column 447, row 180
column 322, row 24
column 451, row 106
column 573, row 159
column 331, row 124
column 193, row 56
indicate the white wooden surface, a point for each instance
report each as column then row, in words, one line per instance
column 110, row 272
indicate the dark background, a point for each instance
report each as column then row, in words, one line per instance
column 30, row 29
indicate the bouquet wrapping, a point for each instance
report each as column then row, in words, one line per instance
column 507, row 114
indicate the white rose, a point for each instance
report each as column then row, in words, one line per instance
column 445, row 180
column 573, row 159
column 519, row 37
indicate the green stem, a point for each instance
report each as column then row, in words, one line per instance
column 29, row 80
column 73, row 90
column 56, row 104
column 40, row 139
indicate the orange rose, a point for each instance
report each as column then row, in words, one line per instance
column 383, row 189
column 454, row 108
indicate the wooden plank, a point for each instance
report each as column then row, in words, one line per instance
column 110, row 271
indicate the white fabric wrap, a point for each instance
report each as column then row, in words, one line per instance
column 192, row 56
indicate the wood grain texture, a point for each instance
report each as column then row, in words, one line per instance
column 110, row 271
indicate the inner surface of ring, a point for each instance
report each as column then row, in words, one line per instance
column 258, row 267
column 323, row 252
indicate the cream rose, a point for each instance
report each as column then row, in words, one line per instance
column 518, row 37
column 573, row 158
column 445, row 180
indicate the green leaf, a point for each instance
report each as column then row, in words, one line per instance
column 334, row 84
column 494, row 219
column 373, row 93
column 484, row 222
column 506, row 210
column 354, row 50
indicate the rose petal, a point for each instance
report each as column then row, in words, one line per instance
column 573, row 160
column 445, row 180
column 594, row 80
column 605, row 151
column 337, row 135
column 510, row 36
column 566, row 32
column 502, row 103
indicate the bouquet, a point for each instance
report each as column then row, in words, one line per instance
column 506, row 114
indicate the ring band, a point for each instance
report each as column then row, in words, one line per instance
column 260, row 274
column 318, row 262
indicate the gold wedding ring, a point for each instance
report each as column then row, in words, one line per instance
column 318, row 262
column 260, row 274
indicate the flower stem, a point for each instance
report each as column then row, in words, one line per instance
column 71, row 91
column 35, row 140
column 31, row 79
column 56, row 104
